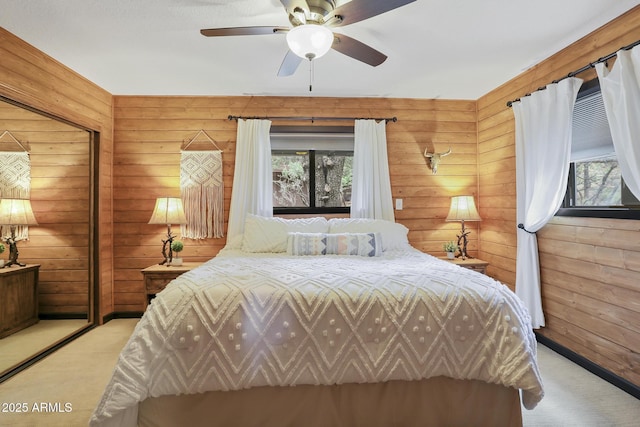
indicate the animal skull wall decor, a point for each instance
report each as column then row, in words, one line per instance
column 434, row 159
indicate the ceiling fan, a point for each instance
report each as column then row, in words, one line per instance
column 310, row 36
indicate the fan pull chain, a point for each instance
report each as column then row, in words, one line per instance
column 310, row 75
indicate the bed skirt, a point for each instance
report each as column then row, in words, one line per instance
column 437, row 401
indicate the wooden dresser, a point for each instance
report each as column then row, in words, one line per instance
column 18, row 298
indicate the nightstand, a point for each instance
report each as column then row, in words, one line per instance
column 158, row 276
column 474, row 264
column 19, row 302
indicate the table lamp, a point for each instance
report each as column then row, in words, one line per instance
column 463, row 208
column 15, row 212
column 168, row 210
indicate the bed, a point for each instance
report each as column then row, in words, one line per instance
column 315, row 322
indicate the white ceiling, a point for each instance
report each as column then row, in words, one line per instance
column 450, row 49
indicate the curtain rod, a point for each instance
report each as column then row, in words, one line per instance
column 313, row 119
column 583, row 69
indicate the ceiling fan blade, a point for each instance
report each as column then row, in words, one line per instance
column 359, row 10
column 289, row 64
column 357, row 50
column 242, row 31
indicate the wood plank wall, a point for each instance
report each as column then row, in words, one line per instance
column 29, row 76
column 60, row 167
column 150, row 131
column 590, row 267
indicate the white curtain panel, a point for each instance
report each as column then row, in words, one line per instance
column 543, row 151
column 620, row 89
column 371, row 186
column 252, row 191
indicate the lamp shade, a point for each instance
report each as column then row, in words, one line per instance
column 310, row 41
column 168, row 210
column 463, row 208
column 16, row 212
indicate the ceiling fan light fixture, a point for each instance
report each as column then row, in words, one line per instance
column 310, row 41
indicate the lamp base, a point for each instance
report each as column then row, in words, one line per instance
column 462, row 243
column 13, row 250
column 168, row 257
column 13, row 262
column 464, row 256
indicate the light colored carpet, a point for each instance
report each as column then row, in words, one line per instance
column 75, row 375
column 574, row 397
column 78, row 373
column 29, row 341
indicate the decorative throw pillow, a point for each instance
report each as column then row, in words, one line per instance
column 361, row 244
column 307, row 244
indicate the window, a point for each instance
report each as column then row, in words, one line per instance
column 595, row 187
column 312, row 171
column 597, row 183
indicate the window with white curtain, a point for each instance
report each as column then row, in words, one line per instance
column 595, row 187
column 312, row 169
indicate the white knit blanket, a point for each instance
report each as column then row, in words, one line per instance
column 244, row 320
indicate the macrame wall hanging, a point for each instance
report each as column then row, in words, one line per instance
column 202, row 190
column 15, row 175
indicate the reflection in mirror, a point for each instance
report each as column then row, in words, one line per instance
column 50, row 300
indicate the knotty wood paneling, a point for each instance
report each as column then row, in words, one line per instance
column 150, row 130
column 60, row 175
column 590, row 267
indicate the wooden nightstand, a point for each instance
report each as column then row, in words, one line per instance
column 158, row 276
column 470, row 263
column 19, row 301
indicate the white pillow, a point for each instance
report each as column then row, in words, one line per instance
column 393, row 234
column 263, row 234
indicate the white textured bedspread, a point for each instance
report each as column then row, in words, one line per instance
column 245, row 320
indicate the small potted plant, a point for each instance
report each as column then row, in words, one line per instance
column 450, row 248
column 177, row 246
column 1, row 250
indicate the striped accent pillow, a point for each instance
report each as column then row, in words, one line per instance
column 306, row 243
column 360, row 244
column 357, row 244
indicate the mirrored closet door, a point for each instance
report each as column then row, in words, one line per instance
column 50, row 163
